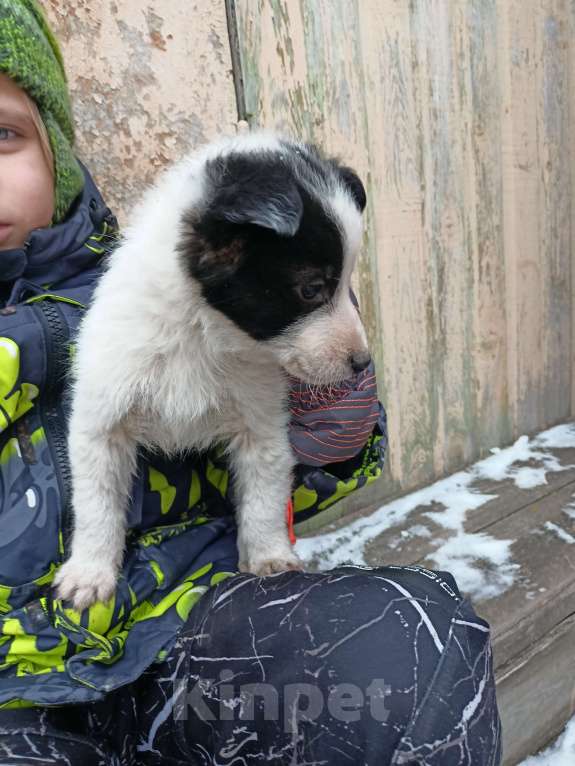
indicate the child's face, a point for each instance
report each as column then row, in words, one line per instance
column 26, row 183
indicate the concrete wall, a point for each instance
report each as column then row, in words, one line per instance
column 149, row 81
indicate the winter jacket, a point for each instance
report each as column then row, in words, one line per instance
column 181, row 536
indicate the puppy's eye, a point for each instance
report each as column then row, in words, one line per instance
column 309, row 292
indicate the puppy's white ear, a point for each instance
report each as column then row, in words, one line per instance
column 249, row 190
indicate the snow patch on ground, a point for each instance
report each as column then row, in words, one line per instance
column 481, row 564
column 561, row 753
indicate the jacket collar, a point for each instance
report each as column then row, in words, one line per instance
column 58, row 252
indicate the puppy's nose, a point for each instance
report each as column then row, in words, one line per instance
column 360, row 360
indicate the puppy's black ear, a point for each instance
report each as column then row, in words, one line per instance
column 252, row 190
column 355, row 186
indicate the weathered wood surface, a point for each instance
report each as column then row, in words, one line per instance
column 458, row 116
column 535, row 694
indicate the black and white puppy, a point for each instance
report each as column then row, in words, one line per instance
column 233, row 273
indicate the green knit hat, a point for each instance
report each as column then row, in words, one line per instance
column 29, row 55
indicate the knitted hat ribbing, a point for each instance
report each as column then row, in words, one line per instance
column 29, row 55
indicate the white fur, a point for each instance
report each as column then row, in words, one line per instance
column 157, row 366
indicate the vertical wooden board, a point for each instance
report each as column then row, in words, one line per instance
column 336, row 91
column 353, row 93
column 404, row 289
column 451, row 308
column 521, row 188
column 302, row 72
column 572, row 178
column 475, row 24
column 555, row 207
column 404, row 284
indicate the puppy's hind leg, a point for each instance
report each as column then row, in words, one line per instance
column 103, row 461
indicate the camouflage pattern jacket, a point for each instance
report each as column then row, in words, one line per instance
column 181, row 536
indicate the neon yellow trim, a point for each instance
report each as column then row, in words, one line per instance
column 219, row 576
column 55, row 297
column 5, row 590
column 24, row 653
column 16, row 704
column 97, row 250
column 159, row 483
column 11, row 450
column 100, row 617
column 157, row 572
column 344, row 488
column 15, row 400
column 218, row 477
column 195, row 490
column 156, row 535
column 100, row 237
column 304, row 498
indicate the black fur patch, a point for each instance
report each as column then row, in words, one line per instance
column 318, row 162
column 355, row 186
column 250, row 190
column 263, row 248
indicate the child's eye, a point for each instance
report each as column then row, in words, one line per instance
column 6, row 133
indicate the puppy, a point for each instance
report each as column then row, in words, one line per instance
column 233, row 273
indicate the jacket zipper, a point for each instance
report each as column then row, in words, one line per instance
column 51, row 411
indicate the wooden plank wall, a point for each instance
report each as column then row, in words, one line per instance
column 457, row 114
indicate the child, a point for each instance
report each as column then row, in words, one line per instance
column 190, row 662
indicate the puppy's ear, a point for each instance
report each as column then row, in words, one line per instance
column 354, row 185
column 251, row 190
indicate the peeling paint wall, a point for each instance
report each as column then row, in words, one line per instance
column 459, row 115
column 149, row 81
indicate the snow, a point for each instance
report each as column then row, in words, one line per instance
column 560, row 532
column 481, row 564
column 561, row 753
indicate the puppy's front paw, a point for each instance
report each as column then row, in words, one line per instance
column 85, row 583
column 263, row 566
